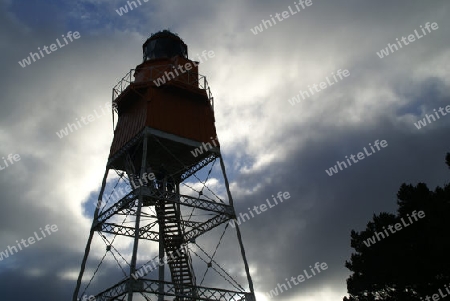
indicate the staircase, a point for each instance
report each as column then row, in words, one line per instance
column 180, row 264
column 179, row 261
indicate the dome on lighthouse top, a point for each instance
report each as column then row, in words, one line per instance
column 164, row 44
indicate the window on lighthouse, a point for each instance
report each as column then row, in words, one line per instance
column 164, row 47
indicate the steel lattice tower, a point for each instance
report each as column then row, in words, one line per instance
column 161, row 195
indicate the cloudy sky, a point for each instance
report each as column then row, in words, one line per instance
column 269, row 145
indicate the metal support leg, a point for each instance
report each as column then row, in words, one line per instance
column 238, row 232
column 161, row 258
column 91, row 235
column 137, row 224
column 161, row 269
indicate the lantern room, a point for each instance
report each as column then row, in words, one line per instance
column 164, row 44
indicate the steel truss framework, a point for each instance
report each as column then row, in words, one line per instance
column 226, row 212
column 152, row 287
column 174, row 232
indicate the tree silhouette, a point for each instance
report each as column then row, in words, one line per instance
column 413, row 262
column 447, row 159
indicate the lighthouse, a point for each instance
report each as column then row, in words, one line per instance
column 163, row 210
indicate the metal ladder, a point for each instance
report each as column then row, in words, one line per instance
column 179, row 262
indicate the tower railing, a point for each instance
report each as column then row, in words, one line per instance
column 156, row 73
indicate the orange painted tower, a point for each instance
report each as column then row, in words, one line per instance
column 163, row 193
